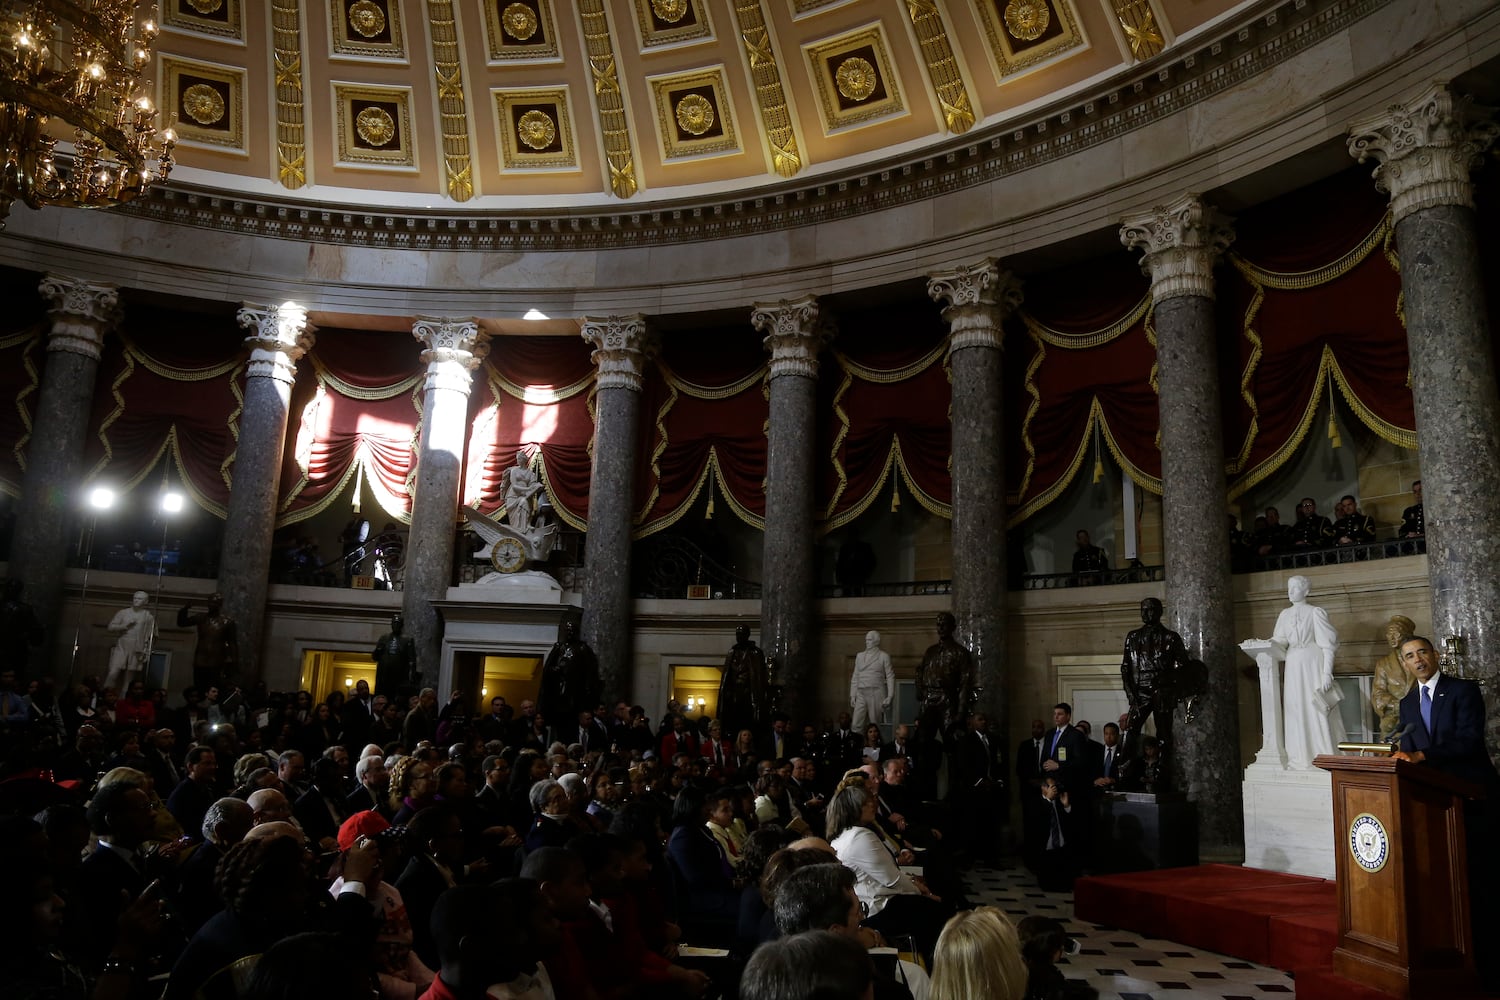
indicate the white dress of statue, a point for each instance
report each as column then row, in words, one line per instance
column 135, row 626
column 1310, row 699
column 519, row 488
column 873, row 684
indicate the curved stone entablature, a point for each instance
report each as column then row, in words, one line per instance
column 1237, row 100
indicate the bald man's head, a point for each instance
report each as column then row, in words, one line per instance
column 267, row 805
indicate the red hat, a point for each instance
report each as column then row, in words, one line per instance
column 362, row 824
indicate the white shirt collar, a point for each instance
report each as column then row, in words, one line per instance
column 1431, row 683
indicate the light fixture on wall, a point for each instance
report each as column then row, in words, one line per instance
column 348, row 682
column 77, row 65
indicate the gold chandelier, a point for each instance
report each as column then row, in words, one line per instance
column 77, row 65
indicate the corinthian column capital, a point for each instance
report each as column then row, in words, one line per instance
column 280, row 336
column 794, row 334
column 978, row 298
column 1425, row 148
column 81, row 313
column 621, row 346
column 455, row 347
column 1182, row 241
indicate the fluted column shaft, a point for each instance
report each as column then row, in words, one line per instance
column 280, row 336
column 81, row 315
column 794, row 334
column 1182, row 241
column 1424, row 150
column 621, row 347
column 978, row 297
column 454, row 349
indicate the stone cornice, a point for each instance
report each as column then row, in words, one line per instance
column 1271, row 33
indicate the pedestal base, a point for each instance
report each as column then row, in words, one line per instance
column 1139, row 831
column 1289, row 821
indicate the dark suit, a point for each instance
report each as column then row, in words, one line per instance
column 1029, row 756
column 420, row 886
column 1067, row 748
column 362, row 799
column 979, row 771
column 93, row 913
column 791, row 746
column 312, row 811
column 1455, row 744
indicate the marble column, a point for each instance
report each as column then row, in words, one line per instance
column 455, row 347
column 977, row 298
column 794, row 334
column 81, row 315
column 280, row 336
column 1182, row 241
column 1423, row 151
column 621, row 347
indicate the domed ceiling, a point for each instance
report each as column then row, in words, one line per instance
column 537, row 104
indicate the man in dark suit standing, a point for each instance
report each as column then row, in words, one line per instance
column 1029, row 756
column 121, row 818
column 1066, row 758
column 779, row 743
column 975, row 794
column 1446, row 716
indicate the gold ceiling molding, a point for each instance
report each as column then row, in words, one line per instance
column 291, row 135
column 1023, row 33
column 520, row 30
column 786, row 160
column 535, row 129
column 374, row 126
column 208, row 101
column 672, row 22
column 367, row 29
column 693, row 116
column 802, row 7
column 613, row 125
column 458, row 165
column 1141, row 25
column 942, row 65
column 219, row 18
column 856, row 78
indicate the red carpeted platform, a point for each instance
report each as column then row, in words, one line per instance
column 1271, row 918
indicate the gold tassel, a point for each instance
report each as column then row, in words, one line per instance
column 708, row 515
column 1333, row 425
column 895, row 495
column 359, row 483
column 1098, row 457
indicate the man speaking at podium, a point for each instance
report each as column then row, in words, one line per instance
column 1443, row 719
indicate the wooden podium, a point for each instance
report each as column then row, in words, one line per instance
column 1402, row 876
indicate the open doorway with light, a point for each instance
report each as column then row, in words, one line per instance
column 325, row 671
column 696, row 689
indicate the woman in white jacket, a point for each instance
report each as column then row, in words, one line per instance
column 895, row 903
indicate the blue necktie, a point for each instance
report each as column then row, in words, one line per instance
column 1427, row 709
column 1056, row 735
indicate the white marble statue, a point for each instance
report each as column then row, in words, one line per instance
column 1310, row 699
column 519, row 487
column 873, row 685
column 135, row 626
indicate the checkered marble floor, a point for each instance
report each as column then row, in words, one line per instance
column 1123, row 965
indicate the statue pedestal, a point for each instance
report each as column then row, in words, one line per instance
column 1270, row 760
column 1139, row 831
column 1289, row 821
column 518, row 616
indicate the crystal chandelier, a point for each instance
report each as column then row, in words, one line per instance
column 77, row 65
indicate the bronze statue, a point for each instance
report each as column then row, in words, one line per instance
column 217, row 654
column 945, row 682
column 395, row 659
column 570, row 679
column 743, row 690
column 1154, row 658
column 1392, row 682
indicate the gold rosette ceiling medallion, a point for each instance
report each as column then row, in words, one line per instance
column 206, row 6
column 375, row 126
column 366, row 18
column 695, row 114
column 520, row 21
column 856, row 78
column 1027, row 20
column 536, row 129
column 203, row 103
column 670, row 11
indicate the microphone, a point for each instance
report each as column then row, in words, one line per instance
column 1396, row 737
